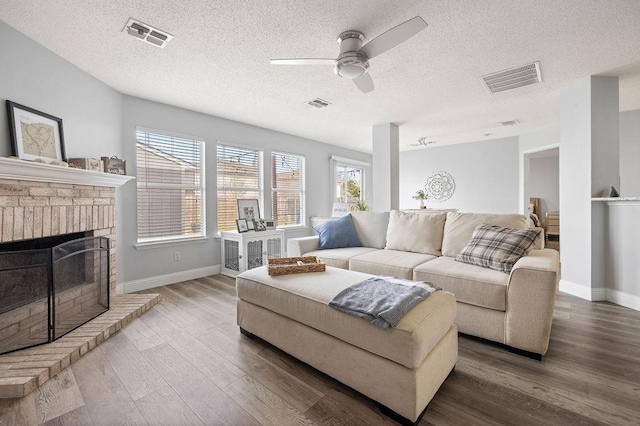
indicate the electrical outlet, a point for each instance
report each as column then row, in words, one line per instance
column 176, row 256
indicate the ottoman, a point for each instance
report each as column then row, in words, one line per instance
column 401, row 368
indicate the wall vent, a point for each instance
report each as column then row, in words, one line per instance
column 147, row 33
column 510, row 123
column 513, row 78
column 318, row 103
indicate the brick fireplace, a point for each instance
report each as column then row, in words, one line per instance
column 41, row 201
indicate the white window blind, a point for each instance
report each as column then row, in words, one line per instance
column 239, row 177
column 170, row 186
column 287, row 186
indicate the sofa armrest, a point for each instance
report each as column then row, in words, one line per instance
column 531, row 296
column 299, row 246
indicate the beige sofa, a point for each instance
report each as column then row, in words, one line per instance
column 515, row 309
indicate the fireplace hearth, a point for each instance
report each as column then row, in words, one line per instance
column 50, row 286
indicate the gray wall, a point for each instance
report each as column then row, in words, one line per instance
column 630, row 154
column 485, row 173
column 99, row 121
column 138, row 264
column 36, row 77
column 544, row 183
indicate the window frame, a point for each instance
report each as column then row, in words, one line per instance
column 150, row 242
column 347, row 162
column 260, row 190
column 302, row 191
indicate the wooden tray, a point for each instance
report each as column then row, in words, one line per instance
column 295, row 265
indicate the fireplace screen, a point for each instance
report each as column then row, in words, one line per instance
column 49, row 287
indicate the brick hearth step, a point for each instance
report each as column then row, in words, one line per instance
column 23, row 371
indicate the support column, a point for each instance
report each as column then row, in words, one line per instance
column 386, row 167
column 589, row 166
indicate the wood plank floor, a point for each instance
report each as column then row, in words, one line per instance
column 184, row 362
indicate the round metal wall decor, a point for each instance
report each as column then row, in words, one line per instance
column 440, row 186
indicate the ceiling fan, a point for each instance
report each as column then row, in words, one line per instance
column 353, row 61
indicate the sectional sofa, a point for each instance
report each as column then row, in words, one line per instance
column 514, row 308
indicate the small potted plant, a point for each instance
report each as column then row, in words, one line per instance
column 422, row 196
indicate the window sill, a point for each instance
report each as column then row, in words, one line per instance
column 168, row 243
column 293, row 228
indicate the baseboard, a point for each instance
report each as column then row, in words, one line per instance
column 623, row 299
column 581, row 291
column 159, row 280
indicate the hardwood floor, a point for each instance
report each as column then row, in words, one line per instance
column 185, row 362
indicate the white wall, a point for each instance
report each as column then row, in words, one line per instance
column 36, row 77
column 138, row 264
column 485, row 173
column 630, row 154
column 544, row 183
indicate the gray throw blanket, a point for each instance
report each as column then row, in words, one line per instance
column 382, row 301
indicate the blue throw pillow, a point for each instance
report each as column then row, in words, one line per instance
column 338, row 233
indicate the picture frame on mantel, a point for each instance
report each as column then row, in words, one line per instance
column 35, row 135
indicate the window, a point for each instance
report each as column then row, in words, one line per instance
column 170, row 186
column 239, row 176
column 287, row 188
column 349, row 187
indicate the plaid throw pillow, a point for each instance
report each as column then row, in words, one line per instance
column 498, row 248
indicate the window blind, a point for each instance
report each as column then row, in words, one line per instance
column 287, row 188
column 170, row 186
column 238, row 177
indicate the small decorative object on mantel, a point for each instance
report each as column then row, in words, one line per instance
column 421, row 195
column 35, row 134
column 242, row 225
column 86, row 164
column 614, row 193
column 440, row 186
column 114, row 165
column 249, row 209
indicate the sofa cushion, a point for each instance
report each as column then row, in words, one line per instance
column 415, row 232
column 459, row 227
column 498, row 248
column 389, row 262
column 338, row 233
column 339, row 258
column 371, row 228
column 471, row 284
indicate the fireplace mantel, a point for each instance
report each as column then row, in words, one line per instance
column 40, row 172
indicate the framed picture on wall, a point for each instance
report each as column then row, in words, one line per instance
column 250, row 210
column 35, row 134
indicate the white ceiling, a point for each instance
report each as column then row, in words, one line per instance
column 218, row 61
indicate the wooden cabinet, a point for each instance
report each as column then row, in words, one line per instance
column 553, row 223
column 248, row 250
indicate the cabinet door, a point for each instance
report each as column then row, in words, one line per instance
column 254, row 253
column 274, row 247
column 232, row 255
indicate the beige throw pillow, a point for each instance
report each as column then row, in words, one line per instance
column 371, row 228
column 415, row 232
column 459, row 227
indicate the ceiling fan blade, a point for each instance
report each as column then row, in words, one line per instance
column 393, row 37
column 364, row 83
column 310, row 61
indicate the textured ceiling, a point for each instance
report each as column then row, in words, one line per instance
column 218, row 61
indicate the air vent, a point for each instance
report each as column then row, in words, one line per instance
column 147, row 33
column 513, row 78
column 510, row 123
column 318, row 103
